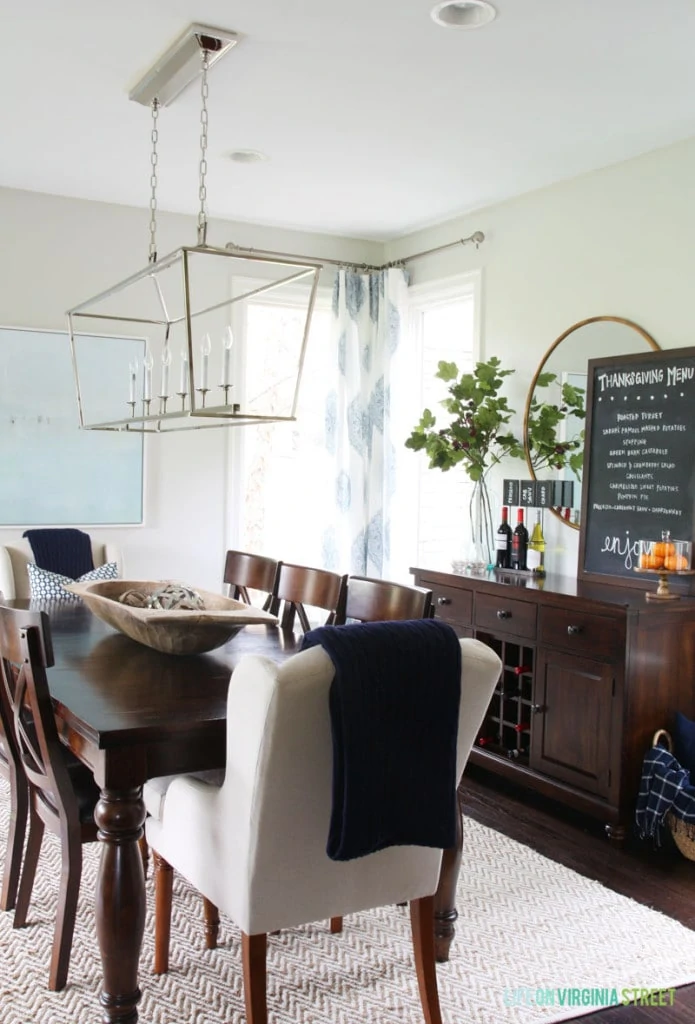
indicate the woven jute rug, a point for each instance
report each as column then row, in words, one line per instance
column 535, row 943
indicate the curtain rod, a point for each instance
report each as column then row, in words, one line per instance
column 476, row 238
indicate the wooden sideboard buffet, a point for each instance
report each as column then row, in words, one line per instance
column 590, row 672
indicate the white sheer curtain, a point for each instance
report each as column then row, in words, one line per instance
column 364, row 432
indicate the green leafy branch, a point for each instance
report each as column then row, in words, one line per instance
column 476, row 435
column 546, row 450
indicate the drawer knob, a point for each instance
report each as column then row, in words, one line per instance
column 443, row 600
column 538, row 709
column 574, row 630
column 503, row 614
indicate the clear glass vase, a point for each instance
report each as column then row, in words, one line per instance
column 480, row 549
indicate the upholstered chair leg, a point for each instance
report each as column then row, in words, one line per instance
column 336, row 925
column 163, row 885
column 68, row 893
column 422, row 924
column 144, row 853
column 212, row 923
column 19, row 802
column 29, row 870
column 253, row 952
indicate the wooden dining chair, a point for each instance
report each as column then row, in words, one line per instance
column 298, row 586
column 11, row 769
column 61, row 791
column 370, row 600
column 244, row 571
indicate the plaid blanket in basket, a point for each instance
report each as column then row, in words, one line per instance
column 664, row 787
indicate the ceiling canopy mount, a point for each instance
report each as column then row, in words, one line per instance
column 180, row 64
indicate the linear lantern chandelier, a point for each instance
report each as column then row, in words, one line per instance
column 167, row 332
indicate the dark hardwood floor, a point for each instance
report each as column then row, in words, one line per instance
column 662, row 879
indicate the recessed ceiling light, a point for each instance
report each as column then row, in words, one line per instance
column 463, row 13
column 248, row 156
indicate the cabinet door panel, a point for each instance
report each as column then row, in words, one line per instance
column 571, row 733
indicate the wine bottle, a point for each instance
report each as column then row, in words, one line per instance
column 520, row 670
column 504, row 542
column 519, row 542
column 535, row 557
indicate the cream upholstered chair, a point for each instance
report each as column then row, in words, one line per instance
column 14, row 579
column 255, row 846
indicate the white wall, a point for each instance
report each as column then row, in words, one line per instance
column 57, row 252
column 618, row 241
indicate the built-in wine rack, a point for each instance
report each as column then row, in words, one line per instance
column 506, row 728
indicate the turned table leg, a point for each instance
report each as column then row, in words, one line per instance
column 120, row 901
column 445, row 912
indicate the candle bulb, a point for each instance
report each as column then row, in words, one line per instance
column 166, row 363
column 183, row 388
column 205, row 348
column 148, row 363
column 227, row 342
column 133, row 379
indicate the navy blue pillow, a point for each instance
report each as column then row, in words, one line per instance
column 684, row 742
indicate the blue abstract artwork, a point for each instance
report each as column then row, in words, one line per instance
column 52, row 473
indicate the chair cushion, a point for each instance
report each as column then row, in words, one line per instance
column 47, row 586
column 155, row 790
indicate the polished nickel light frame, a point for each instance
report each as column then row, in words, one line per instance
column 197, row 416
column 189, row 57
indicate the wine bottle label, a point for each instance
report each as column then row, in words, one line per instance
column 502, row 542
column 533, row 559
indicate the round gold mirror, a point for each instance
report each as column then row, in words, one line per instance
column 556, row 402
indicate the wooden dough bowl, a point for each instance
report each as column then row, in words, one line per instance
column 172, row 632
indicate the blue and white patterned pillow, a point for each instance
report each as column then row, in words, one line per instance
column 50, row 586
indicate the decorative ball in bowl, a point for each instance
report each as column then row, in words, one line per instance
column 167, row 616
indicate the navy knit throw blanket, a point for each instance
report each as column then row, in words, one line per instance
column 394, row 706
column 66, row 552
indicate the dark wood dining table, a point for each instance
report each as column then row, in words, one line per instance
column 131, row 713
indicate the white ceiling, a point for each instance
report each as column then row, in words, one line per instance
column 376, row 121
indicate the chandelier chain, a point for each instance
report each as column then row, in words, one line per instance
column 203, row 167
column 154, row 138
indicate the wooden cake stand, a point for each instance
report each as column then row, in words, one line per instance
column 662, row 592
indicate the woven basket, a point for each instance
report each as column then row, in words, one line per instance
column 683, row 833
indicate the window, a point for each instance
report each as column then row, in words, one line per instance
column 280, row 466
column 284, row 476
column 444, row 322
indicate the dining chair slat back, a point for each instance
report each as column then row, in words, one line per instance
column 11, row 769
column 61, row 791
column 299, row 586
column 372, row 600
column 244, row 571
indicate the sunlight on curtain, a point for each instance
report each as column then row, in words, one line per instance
column 368, row 321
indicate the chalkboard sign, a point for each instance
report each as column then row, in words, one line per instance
column 639, row 469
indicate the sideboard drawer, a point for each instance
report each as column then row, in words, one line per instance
column 585, row 633
column 501, row 614
column 450, row 603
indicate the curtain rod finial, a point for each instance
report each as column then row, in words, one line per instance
column 477, row 237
